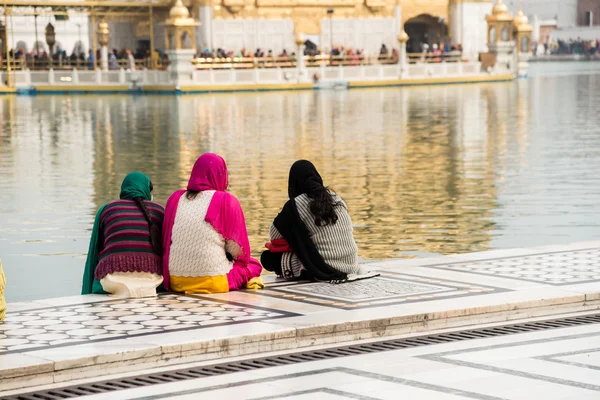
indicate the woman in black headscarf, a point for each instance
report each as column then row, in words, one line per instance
column 312, row 237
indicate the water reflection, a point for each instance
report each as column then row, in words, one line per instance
column 433, row 170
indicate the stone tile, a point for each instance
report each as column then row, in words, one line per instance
column 590, row 290
column 25, row 306
column 97, row 353
column 15, row 385
column 82, row 339
column 232, row 335
column 475, row 279
column 81, row 322
column 492, row 254
column 555, row 268
column 255, row 299
column 72, row 300
column 13, row 365
column 388, row 289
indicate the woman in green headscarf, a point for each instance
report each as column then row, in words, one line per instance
column 125, row 254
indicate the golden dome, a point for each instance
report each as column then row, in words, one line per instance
column 103, row 26
column 499, row 8
column 403, row 37
column 179, row 11
column 520, row 19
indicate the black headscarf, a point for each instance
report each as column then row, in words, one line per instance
column 304, row 178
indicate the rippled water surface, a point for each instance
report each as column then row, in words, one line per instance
column 425, row 171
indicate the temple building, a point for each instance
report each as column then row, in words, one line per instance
column 251, row 24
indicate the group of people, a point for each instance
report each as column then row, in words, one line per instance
column 243, row 53
column 124, row 58
column 579, row 46
column 198, row 243
column 336, row 51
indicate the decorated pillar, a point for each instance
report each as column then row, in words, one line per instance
column 50, row 41
column 50, row 38
column 523, row 33
column 300, row 70
column 467, row 25
column 204, row 16
column 398, row 17
column 500, row 37
column 180, row 32
column 402, row 60
column 103, row 40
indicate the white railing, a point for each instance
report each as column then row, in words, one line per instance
column 255, row 76
column 28, row 78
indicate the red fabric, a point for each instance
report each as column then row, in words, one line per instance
column 128, row 262
column 168, row 222
column 224, row 214
column 240, row 274
column 209, row 173
column 278, row 246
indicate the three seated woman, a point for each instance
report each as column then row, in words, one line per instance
column 199, row 242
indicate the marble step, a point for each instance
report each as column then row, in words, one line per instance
column 59, row 340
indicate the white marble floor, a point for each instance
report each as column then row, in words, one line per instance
column 560, row 364
column 57, row 340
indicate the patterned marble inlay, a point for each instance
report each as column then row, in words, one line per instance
column 379, row 288
column 388, row 289
column 551, row 268
column 115, row 319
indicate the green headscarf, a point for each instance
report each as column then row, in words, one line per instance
column 134, row 185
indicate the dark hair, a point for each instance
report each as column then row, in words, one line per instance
column 322, row 206
column 155, row 232
column 191, row 194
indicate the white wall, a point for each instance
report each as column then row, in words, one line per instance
column 585, row 33
column 204, row 37
column 67, row 32
column 468, row 26
column 122, row 36
column 565, row 11
column 360, row 33
column 235, row 34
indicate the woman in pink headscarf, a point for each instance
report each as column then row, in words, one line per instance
column 204, row 235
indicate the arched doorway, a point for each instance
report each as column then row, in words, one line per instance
column 21, row 45
column 425, row 29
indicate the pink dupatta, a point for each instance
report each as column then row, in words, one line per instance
column 224, row 214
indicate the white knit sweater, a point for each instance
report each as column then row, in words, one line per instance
column 197, row 249
column 335, row 242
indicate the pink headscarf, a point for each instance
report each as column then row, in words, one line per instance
column 224, row 213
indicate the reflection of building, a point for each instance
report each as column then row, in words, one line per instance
column 267, row 24
column 419, row 174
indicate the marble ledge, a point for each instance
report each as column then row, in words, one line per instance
column 121, row 350
column 424, row 271
column 519, row 252
column 56, row 302
column 83, row 361
column 19, row 365
column 308, row 325
column 220, row 338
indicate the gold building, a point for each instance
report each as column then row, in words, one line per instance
column 268, row 24
column 351, row 23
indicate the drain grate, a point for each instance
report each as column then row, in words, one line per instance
column 300, row 357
